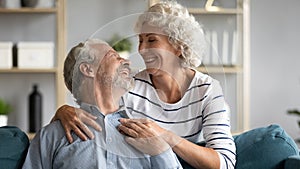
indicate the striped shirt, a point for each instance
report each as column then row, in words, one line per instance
column 201, row 110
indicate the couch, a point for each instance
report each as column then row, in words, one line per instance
column 261, row 148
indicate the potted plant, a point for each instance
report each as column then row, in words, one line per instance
column 297, row 113
column 5, row 109
column 121, row 45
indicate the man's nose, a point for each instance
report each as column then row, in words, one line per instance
column 125, row 61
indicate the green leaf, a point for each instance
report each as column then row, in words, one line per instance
column 120, row 44
column 294, row 112
column 5, row 108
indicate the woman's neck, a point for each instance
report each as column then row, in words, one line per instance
column 171, row 87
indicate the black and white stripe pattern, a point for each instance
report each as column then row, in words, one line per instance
column 202, row 109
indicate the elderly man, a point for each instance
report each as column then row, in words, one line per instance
column 97, row 77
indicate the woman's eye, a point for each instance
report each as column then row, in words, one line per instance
column 151, row 40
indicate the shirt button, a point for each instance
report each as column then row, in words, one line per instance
column 110, row 164
column 109, row 140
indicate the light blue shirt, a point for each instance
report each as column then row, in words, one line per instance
column 50, row 148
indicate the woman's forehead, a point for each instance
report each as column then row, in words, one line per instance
column 146, row 29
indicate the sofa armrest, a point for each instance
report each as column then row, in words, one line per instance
column 13, row 145
column 265, row 147
column 291, row 162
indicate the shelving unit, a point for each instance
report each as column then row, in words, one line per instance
column 59, row 39
column 220, row 15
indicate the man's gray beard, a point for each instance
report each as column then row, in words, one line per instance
column 125, row 83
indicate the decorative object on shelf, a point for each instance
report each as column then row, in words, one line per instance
column 210, row 7
column 121, row 45
column 35, row 109
column 6, row 55
column 29, row 3
column 34, row 55
column 5, row 109
column 297, row 113
column 11, row 4
column 45, row 4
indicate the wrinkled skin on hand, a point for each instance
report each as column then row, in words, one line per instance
column 76, row 120
column 145, row 135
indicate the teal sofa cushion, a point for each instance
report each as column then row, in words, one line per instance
column 264, row 148
column 292, row 162
column 13, row 147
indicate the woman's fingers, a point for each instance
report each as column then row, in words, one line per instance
column 137, row 128
column 89, row 120
column 151, row 145
column 128, row 131
column 75, row 119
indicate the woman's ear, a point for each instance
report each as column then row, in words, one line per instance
column 87, row 69
column 178, row 52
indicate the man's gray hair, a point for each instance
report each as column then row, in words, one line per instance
column 81, row 53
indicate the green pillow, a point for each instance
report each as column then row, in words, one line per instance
column 264, row 148
column 13, row 147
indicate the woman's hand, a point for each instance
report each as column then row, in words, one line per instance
column 74, row 119
column 144, row 135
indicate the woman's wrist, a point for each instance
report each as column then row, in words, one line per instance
column 171, row 138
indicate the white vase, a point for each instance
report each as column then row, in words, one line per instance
column 3, row 120
column 10, row 4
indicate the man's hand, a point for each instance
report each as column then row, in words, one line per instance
column 75, row 119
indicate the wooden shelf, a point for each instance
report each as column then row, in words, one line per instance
column 220, row 69
column 30, row 136
column 28, row 10
column 17, row 70
column 221, row 11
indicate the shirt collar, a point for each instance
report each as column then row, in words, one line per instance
column 94, row 110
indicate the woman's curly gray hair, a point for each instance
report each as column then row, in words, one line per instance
column 181, row 28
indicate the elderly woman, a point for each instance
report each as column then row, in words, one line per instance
column 171, row 98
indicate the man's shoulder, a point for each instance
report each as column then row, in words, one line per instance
column 53, row 131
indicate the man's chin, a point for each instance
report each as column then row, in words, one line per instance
column 126, row 85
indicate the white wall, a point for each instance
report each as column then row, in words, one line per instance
column 275, row 63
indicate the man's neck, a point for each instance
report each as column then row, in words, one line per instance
column 108, row 99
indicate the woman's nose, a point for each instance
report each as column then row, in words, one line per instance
column 142, row 46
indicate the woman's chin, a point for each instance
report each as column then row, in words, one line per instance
column 152, row 71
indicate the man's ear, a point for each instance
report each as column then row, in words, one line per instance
column 87, row 69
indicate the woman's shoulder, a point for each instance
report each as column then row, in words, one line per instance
column 202, row 77
column 142, row 75
column 142, row 79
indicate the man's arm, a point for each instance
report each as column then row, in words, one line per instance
column 35, row 157
column 165, row 160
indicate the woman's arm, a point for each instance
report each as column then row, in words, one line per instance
column 197, row 156
column 75, row 119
